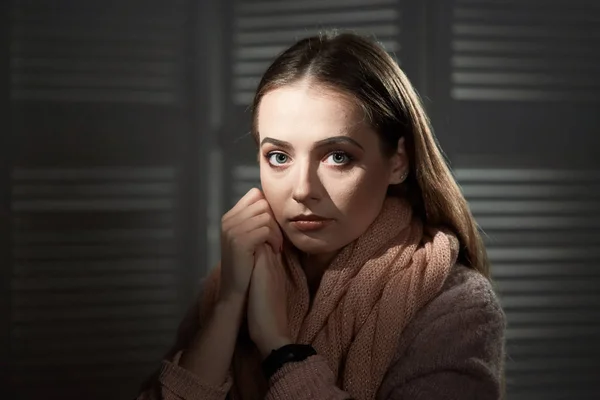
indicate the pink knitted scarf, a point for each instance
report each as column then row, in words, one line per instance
column 366, row 298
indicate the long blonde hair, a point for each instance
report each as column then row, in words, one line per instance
column 359, row 67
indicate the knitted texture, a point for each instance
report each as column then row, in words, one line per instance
column 368, row 295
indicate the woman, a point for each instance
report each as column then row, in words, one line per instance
column 359, row 271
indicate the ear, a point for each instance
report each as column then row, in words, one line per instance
column 399, row 164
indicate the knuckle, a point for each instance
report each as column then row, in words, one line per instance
column 263, row 205
column 264, row 218
column 254, row 193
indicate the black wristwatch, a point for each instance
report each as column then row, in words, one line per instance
column 283, row 355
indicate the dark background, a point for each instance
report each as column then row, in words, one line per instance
column 123, row 139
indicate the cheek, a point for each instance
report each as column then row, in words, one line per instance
column 357, row 192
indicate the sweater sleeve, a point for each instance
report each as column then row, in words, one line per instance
column 453, row 350
column 172, row 382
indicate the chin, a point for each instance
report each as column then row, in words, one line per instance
column 313, row 244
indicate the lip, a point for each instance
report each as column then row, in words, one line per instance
column 312, row 222
column 309, row 217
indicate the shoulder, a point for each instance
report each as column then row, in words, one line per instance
column 464, row 289
column 466, row 304
column 454, row 346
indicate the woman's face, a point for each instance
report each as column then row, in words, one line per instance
column 321, row 166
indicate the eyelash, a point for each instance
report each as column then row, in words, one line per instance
column 349, row 157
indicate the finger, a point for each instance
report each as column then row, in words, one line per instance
column 262, row 235
column 251, row 197
column 258, row 221
column 260, row 206
column 257, row 215
column 276, row 239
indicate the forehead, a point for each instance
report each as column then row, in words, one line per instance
column 307, row 113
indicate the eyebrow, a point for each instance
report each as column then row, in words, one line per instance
column 321, row 143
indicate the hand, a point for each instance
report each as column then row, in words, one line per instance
column 267, row 302
column 249, row 224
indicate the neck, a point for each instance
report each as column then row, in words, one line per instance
column 314, row 266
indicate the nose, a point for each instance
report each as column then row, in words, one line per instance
column 307, row 185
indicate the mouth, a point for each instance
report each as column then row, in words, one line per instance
column 310, row 222
column 308, row 217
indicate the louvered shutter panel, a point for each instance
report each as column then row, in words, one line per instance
column 515, row 96
column 541, row 227
column 99, row 211
column 263, row 29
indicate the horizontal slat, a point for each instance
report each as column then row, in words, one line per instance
column 95, row 173
column 46, row 56
column 85, row 220
column 547, row 286
column 520, row 222
column 58, row 378
column 544, row 365
column 521, row 270
column 66, row 252
column 517, row 349
column 124, row 82
column 266, row 7
column 526, row 31
column 44, row 348
column 526, row 175
column 95, row 205
column 557, row 301
column 585, row 316
column 520, row 254
column 543, row 392
column 291, row 35
column 90, row 389
column 326, row 18
column 532, row 238
column 483, row 94
column 531, row 190
column 483, row 62
column 139, row 326
column 97, row 359
column 92, row 313
column 553, row 332
column 121, row 265
column 142, row 280
column 90, row 296
column 556, row 379
column 548, row 206
column 93, row 236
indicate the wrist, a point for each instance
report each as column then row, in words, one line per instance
column 274, row 343
column 233, row 306
column 232, row 300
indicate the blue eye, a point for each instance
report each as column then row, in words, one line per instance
column 339, row 158
column 277, row 158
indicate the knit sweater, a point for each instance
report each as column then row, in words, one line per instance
column 452, row 349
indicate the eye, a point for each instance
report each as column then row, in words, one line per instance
column 339, row 158
column 277, row 159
